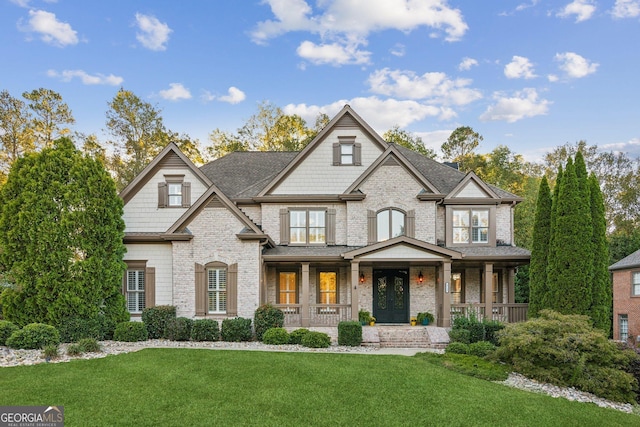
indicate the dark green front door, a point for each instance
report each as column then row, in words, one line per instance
column 391, row 296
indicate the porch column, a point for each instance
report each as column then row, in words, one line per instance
column 511, row 285
column 488, row 290
column 304, row 297
column 355, row 293
column 444, row 294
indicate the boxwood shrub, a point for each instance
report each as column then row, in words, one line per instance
column 131, row 332
column 350, row 333
column 276, row 336
column 205, row 330
column 236, row 329
column 73, row 329
column 179, row 329
column 34, row 336
column 6, row 329
column 314, row 339
column 460, row 335
column 266, row 317
column 457, row 348
column 156, row 319
column 481, row 348
column 295, row 337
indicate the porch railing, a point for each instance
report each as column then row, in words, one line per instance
column 319, row 314
column 508, row 313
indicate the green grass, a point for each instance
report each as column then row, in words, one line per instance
column 178, row 387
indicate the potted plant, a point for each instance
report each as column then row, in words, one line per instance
column 425, row 318
column 372, row 321
column 363, row 317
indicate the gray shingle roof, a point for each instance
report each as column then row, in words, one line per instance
column 308, row 251
column 493, row 252
column 631, row 261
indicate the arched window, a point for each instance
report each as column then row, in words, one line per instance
column 390, row 224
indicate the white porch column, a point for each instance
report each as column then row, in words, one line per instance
column 304, row 297
column 355, row 293
column 444, row 295
column 488, row 290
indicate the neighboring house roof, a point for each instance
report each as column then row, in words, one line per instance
column 629, row 262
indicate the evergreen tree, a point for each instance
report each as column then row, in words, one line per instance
column 601, row 297
column 538, row 290
column 570, row 257
column 61, row 233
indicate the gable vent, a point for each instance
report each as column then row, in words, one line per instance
column 215, row 202
column 347, row 122
column 172, row 160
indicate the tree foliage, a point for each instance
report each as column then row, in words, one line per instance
column 405, row 139
column 61, row 233
column 460, row 146
column 50, row 116
column 540, row 250
column 601, row 289
column 16, row 134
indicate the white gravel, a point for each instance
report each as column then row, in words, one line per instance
column 10, row 357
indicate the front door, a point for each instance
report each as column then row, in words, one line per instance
column 391, row 296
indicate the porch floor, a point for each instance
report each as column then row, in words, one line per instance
column 394, row 336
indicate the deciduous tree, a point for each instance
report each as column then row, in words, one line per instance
column 16, row 136
column 460, row 145
column 51, row 115
column 407, row 140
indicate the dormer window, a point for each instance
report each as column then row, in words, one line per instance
column 174, row 192
column 347, row 152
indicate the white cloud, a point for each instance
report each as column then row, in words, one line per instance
column 349, row 22
column 626, row 9
column 524, row 6
column 21, row 3
column 438, row 88
column 582, row 9
column 631, row 146
column 523, row 104
column 175, row 92
column 552, row 78
column 519, row 68
column 51, row 30
column 382, row 115
column 434, row 139
column 398, row 50
column 332, row 53
column 234, row 96
column 87, row 79
column 153, row 34
column 574, row 65
column 467, row 63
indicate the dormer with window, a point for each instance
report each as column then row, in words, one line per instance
column 174, row 192
column 347, row 152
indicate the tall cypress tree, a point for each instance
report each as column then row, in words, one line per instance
column 61, row 233
column 538, row 290
column 601, row 288
column 570, row 258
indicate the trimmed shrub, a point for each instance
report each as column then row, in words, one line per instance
column 276, row 336
column 156, row 320
column 457, row 348
column 50, row 352
column 460, row 335
column 481, row 348
column 236, row 329
column 74, row 350
column 491, row 329
column 295, row 337
column 73, row 329
column 179, row 329
column 89, row 345
column 6, row 329
column 205, row 330
column 267, row 317
column 314, row 339
column 34, row 336
column 131, row 332
column 566, row 350
column 350, row 333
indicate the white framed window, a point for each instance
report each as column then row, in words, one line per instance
column 390, row 223
column 217, row 289
column 174, row 192
column 623, row 323
column 135, row 291
column 307, row 226
column 635, row 284
column 470, row 226
column 346, row 154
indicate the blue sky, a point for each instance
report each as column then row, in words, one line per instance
column 528, row 74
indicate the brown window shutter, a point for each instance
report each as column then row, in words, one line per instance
column 336, row 154
column 162, row 195
column 124, row 283
column 411, row 223
column 150, row 287
column 357, row 154
column 201, row 290
column 331, row 226
column 284, row 226
column 372, row 227
column 232, row 290
column 186, row 194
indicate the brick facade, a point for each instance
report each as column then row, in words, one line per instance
column 625, row 303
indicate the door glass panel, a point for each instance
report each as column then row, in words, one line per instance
column 398, row 288
column 382, row 293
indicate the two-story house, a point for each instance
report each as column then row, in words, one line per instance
column 351, row 222
column 625, row 276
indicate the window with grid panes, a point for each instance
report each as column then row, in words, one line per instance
column 135, row 291
column 217, row 289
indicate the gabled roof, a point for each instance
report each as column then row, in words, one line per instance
column 403, row 240
column 169, row 156
column 628, row 262
column 346, row 114
column 392, row 153
column 471, row 177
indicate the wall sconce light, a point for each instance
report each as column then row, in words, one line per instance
column 361, row 277
column 420, row 277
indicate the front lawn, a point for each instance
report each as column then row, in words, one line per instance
column 180, row 387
